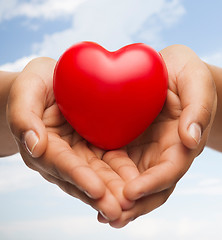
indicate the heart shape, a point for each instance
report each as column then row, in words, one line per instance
column 110, row 98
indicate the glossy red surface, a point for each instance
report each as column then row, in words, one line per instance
column 110, row 98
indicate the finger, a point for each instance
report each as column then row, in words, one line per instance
column 61, row 161
column 26, row 104
column 107, row 206
column 102, row 219
column 174, row 162
column 143, row 206
column 198, row 99
column 124, row 171
column 112, row 181
column 27, row 158
column 66, row 187
column 98, row 151
column 120, row 162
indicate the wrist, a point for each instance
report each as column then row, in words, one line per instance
column 7, row 143
column 6, row 81
column 215, row 136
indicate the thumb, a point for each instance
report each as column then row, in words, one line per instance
column 25, row 108
column 198, row 99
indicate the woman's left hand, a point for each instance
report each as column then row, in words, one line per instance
column 165, row 151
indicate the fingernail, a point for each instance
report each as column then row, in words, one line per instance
column 139, row 196
column 104, row 215
column 195, row 132
column 89, row 195
column 30, row 140
column 131, row 219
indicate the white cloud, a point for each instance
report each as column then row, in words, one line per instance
column 183, row 228
column 205, row 186
column 85, row 227
column 65, row 224
column 171, row 221
column 14, row 175
column 215, row 58
column 6, row 7
column 18, row 65
column 48, row 9
column 172, row 12
column 111, row 23
column 114, row 23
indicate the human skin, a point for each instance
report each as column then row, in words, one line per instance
column 7, row 143
column 128, row 182
column 215, row 137
column 165, row 151
column 55, row 150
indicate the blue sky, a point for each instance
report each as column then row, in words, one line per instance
column 31, row 208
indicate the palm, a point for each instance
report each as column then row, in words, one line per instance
column 63, row 157
column 160, row 142
column 72, row 157
column 150, row 149
column 157, row 155
column 154, row 146
column 151, row 165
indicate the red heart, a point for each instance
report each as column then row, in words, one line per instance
column 110, row 98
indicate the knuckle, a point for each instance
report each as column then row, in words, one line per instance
column 75, row 171
column 206, row 115
column 112, row 183
column 113, row 154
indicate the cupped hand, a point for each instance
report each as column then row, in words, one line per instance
column 49, row 145
column 146, row 171
column 165, row 151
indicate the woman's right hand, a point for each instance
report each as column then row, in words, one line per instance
column 49, row 145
